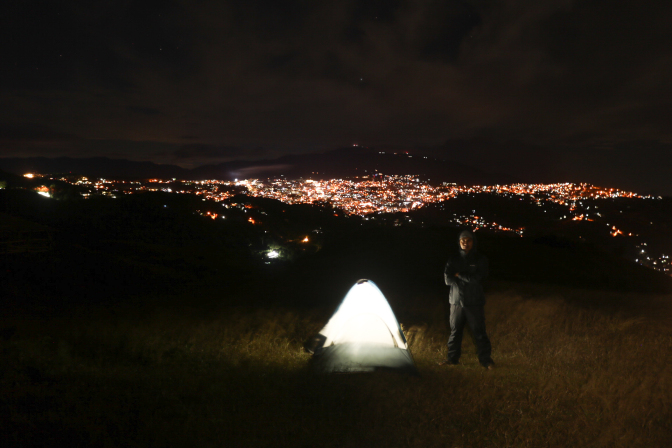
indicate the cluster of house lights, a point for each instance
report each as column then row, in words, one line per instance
column 367, row 195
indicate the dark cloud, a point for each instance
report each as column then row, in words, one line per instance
column 48, row 46
column 34, row 139
column 270, row 19
column 203, row 151
column 32, row 133
column 445, row 25
column 196, row 154
column 143, row 110
column 298, row 75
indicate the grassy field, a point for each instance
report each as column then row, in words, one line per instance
column 574, row 368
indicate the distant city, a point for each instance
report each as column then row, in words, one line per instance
column 366, row 196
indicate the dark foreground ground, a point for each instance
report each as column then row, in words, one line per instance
column 149, row 333
column 570, row 372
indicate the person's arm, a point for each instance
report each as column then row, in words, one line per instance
column 449, row 275
column 479, row 275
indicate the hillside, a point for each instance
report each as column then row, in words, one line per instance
column 147, row 325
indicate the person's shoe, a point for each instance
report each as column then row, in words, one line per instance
column 447, row 362
column 490, row 366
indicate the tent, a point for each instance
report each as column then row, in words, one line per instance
column 362, row 336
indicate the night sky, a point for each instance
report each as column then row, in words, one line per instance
column 564, row 90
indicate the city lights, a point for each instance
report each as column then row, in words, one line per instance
column 370, row 195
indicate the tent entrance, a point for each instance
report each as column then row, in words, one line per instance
column 366, row 328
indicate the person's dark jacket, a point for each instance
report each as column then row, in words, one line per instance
column 466, row 289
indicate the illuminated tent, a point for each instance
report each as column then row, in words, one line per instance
column 362, row 336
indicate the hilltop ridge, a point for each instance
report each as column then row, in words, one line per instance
column 342, row 162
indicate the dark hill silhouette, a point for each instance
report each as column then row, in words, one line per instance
column 93, row 167
column 154, row 244
column 350, row 162
column 343, row 162
column 8, row 176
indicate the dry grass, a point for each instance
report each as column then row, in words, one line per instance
column 570, row 373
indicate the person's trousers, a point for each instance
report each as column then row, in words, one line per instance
column 474, row 316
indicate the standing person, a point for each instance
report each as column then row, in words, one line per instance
column 465, row 273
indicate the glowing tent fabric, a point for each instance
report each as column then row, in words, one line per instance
column 363, row 335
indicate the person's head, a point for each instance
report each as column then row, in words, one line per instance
column 466, row 241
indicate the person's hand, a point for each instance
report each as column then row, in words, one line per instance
column 457, row 274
